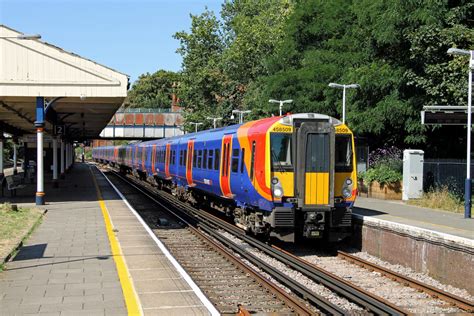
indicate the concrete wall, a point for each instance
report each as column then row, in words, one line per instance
column 449, row 261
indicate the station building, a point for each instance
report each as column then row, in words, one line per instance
column 50, row 98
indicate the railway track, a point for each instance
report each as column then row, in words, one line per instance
column 225, row 279
column 430, row 290
column 211, row 224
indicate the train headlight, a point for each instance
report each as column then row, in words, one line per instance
column 346, row 193
column 348, row 181
column 277, row 191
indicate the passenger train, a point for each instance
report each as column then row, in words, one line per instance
column 290, row 176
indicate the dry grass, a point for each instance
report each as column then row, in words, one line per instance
column 440, row 199
column 15, row 226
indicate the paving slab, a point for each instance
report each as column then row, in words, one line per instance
column 162, row 290
column 66, row 257
column 430, row 219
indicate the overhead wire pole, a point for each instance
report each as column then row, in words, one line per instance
column 214, row 119
column 344, row 87
column 468, row 184
column 280, row 102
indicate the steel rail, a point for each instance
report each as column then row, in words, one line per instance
column 336, row 284
column 297, row 306
column 428, row 289
column 343, row 288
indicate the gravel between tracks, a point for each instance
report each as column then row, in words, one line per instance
column 415, row 275
column 313, row 286
column 374, row 282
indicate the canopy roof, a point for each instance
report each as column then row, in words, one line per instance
column 89, row 93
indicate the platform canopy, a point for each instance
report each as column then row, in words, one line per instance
column 87, row 94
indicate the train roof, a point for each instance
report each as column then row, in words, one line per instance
column 285, row 120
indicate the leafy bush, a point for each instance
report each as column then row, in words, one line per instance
column 385, row 166
column 383, row 174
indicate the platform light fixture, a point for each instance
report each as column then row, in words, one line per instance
column 195, row 125
column 344, row 87
column 241, row 115
column 214, row 119
column 281, row 102
column 467, row 185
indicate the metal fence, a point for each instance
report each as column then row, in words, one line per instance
column 449, row 173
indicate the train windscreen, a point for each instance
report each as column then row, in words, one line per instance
column 281, row 151
column 343, row 153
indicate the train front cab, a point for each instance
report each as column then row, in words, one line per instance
column 318, row 185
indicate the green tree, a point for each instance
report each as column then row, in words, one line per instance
column 396, row 51
column 153, row 90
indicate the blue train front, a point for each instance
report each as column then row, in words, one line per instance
column 291, row 176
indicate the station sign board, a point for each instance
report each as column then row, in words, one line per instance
column 444, row 115
column 59, row 130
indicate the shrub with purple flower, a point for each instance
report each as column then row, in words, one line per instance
column 385, row 166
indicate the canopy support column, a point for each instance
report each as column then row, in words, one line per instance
column 55, row 162
column 39, row 124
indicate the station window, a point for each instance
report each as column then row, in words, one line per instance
column 217, row 159
column 204, row 159
column 209, row 160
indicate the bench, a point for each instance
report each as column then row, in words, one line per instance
column 14, row 182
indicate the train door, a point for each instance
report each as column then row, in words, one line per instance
column 314, row 176
column 189, row 162
column 224, row 171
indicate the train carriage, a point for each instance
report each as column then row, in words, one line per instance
column 285, row 176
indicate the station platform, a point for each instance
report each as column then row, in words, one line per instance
column 92, row 255
column 425, row 220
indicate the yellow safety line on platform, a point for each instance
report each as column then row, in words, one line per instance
column 129, row 293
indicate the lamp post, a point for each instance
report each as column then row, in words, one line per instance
column 214, row 119
column 23, row 37
column 195, row 125
column 467, row 185
column 344, row 87
column 241, row 115
column 281, row 102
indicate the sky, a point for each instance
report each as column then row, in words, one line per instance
column 132, row 37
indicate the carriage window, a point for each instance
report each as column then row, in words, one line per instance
column 217, row 159
column 209, row 160
column 194, row 159
column 242, row 160
column 317, row 153
column 204, row 160
column 343, row 153
column 235, row 160
column 180, row 157
column 252, row 161
column 185, row 157
column 200, row 159
column 281, row 151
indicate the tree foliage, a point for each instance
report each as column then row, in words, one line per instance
column 292, row 49
column 153, row 90
column 396, row 51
